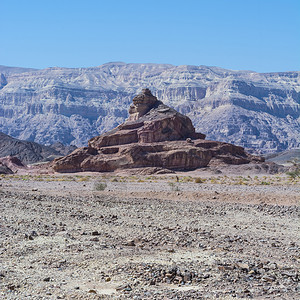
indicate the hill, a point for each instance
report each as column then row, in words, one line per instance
column 28, row 152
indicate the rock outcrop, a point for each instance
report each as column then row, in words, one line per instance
column 154, row 135
column 12, row 163
column 4, row 169
column 30, row 152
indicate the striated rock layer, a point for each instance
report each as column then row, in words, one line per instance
column 154, row 135
column 259, row 111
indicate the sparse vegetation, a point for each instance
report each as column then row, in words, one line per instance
column 198, row 180
column 100, row 186
column 295, row 172
column 174, row 187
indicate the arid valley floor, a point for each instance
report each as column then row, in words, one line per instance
column 88, row 236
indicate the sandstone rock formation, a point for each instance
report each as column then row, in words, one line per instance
column 254, row 110
column 154, row 135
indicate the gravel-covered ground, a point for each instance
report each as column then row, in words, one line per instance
column 148, row 240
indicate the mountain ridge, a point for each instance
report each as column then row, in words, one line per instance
column 30, row 152
column 258, row 111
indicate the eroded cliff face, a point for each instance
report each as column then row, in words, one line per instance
column 154, row 135
column 253, row 110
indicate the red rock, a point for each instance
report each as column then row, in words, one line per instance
column 154, row 135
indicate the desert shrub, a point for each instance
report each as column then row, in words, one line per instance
column 198, row 180
column 295, row 171
column 174, row 187
column 265, row 183
column 100, row 186
column 83, row 179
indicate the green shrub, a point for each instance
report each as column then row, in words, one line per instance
column 295, row 172
column 198, row 180
column 174, row 187
column 100, row 186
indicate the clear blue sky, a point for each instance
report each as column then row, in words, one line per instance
column 259, row 35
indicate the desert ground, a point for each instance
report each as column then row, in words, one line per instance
column 174, row 236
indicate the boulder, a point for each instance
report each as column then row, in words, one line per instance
column 154, row 135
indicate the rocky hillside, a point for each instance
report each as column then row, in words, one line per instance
column 30, row 152
column 253, row 110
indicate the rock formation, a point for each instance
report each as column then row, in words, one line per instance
column 31, row 152
column 154, row 135
column 12, row 163
column 4, row 169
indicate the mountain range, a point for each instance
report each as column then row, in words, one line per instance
column 259, row 111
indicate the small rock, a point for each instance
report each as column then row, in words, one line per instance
column 92, row 292
column 177, row 279
column 47, row 279
column 187, row 276
column 107, row 279
column 130, row 243
column 288, row 274
column 125, row 287
column 11, row 287
column 268, row 278
column 243, row 266
column 171, row 250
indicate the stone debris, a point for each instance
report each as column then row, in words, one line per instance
column 86, row 245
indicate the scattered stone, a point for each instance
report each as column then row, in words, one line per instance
column 130, row 243
column 95, row 239
column 243, row 266
column 95, row 233
column 125, row 287
column 47, row 279
column 268, row 278
column 171, row 250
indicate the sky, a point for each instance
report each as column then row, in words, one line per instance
column 258, row 35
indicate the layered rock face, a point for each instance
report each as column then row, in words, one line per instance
column 149, row 121
column 254, row 110
column 154, row 135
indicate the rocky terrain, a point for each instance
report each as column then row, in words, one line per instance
column 31, row 152
column 253, row 110
column 4, row 169
column 92, row 237
column 154, row 136
column 285, row 157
